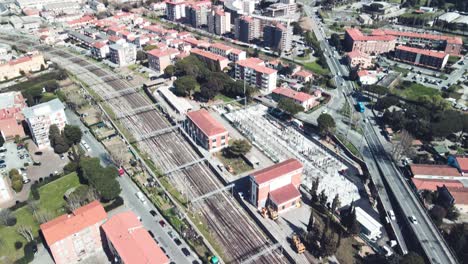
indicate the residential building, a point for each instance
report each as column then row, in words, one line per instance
column 40, row 117
column 123, row 54
column 455, row 189
column 255, row 73
column 422, row 57
column 197, row 13
column 129, row 241
column 359, row 60
column 277, row 36
column 305, row 100
column 29, row 62
column 206, row 130
column 219, row 22
column 448, row 44
column 227, row 51
column 100, row 50
column 97, row 6
column 439, row 172
column 280, row 9
column 247, row 28
column 369, row 44
column 159, row 59
column 11, row 116
column 277, row 186
column 219, row 61
column 74, row 237
column 366, row 77
column 175, row 10
column 365, row 19
column 303, row 76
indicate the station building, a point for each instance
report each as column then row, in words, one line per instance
column 206, row 130
column 277, row 186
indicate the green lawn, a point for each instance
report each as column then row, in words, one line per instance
column 415, row 90
column 315, row 67
column 237, row 164
column 51, row 200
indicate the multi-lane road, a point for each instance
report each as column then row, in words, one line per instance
column 384, row 171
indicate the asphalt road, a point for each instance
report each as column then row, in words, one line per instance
column 131, row 201
column 427, row 234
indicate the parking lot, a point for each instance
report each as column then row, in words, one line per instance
column 13, row 158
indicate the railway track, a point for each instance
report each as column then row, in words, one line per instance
column 231, row 227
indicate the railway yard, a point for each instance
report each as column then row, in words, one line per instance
column 239, row 237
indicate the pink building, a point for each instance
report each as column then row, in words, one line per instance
column 130, row 242
column 220, row 61
column 303, row 76
column 357, row 59
column 277, row 186
column 305, row 100
column 159, row 59
column 227, row 51
column 74, row 237
column 356, row 41
column 206, row 130
column 11, row 116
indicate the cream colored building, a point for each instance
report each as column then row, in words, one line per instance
column 30, row 62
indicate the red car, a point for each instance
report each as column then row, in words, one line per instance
column 162, row 223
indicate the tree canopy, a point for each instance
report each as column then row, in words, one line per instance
column 238, row 147
column 290, row 106
column 72, row 134
column 326, row 124
column 185, row 85
column 102, row 179
column 57, row 140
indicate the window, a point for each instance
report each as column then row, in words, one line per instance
column 223, row 137
column 213, row 140
column 282, row 207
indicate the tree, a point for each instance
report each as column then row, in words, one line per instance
column 335, row 41
column 385, row 102
column 16, row 180
column 7, row 218
column 72, row 134
column 238, row 148
column 403, row 146
column 453, row 213
column 141, row 55
column 290, row 106
column 43, row 216
column 323, row 198
column 326, row 124
column 150, row 47
column 437, row 214
column 185, row 85
column 411, row 258
column 60, row 145
column 336, row 203
column 51, row 86
column 102, row 179
column 208, row 92
column 311, row 223
column 54, row 132
column 314, row 189
column 170, row 70
column 329, row 244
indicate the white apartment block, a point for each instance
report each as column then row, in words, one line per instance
column 219, row 22
column 227, row 51
column 40, row 117
column 175, row 10
column 255, row 73
column 123, row 54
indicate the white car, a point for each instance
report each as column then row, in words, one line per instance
column 413, row 220
column 392, row 215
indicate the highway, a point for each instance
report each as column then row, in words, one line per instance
column 431, row 241
column 231, row 228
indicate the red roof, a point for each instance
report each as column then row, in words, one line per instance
column 163, row 52
column 99, row 44
column 430, row 53
column 20, row 60
column 463, row 163
column 257, row 65
column 434, row 170
column 206, row 123
column 432, row 184
column 209, row 55
column 69, row 224
column 449, row 39
column 276, row 171
column 303, row 74
column 357, row 54
column 132, row 241
column 357, row 35
column 221, row 46
column 290, row 93
column 459, row 194
column 284, row 194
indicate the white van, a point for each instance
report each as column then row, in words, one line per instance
column 141, row 197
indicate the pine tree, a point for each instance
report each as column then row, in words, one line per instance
column 336, row 203
column 310, row 225
column 323, row 198
column 313, row 190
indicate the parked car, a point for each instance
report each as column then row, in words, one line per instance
column 2, row 166
column 162, row 223
column 2, row 161
column 177, row 241
column 38, row 153
column 186, row 252
column 153, row 213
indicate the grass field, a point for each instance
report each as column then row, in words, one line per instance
column 414, row 91
column 51, row 200
column 315, row 67
column 237, row 164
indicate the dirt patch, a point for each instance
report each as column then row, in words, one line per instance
column 306, row 23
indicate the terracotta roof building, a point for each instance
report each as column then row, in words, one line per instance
column 254, row 71
column 11, row 116
column 206, row 130
column 277, row 186
column 159, row 59
column 76, row 236
column 218, row 60
column 440, row 172
column 422, row 57
column 130, row 242
column 305, row 100
column 369, row 44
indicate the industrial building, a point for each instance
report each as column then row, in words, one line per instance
column 206, row 130
column 431, row 171
column 277, row 186
column 40, row 117
column 422, row 57
column 129, row 241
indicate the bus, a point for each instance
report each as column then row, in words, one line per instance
column 360, row 107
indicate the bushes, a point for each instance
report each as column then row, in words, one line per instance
column 29, row 249
column 116, row 203
column 18, row 244
column 36, row 185
column 16, row 180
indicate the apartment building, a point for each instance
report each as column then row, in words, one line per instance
column 422, row 57
column 218, row 61
column 206, row 130
column 74, row 237
column 122, row 54
column 129, row 241
column 219, row 22
column 175, row 10
column 277, row 36
column 100, row 50
column 277, row 186
column 255, row 73
column 11, row 116
column 448, row 44
column 305, row 100
column 197, row 13
column 369, row 44
column 159, row 59
column 231, row 53
column 357, row 59
column 247, row 28
column 40, row 117
column 29, row 62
